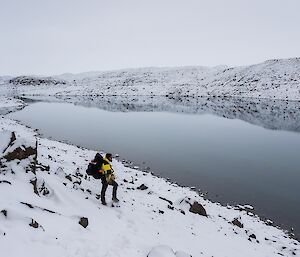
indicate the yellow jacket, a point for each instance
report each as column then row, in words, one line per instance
column 106, row 167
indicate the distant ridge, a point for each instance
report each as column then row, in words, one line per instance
column 272, row 79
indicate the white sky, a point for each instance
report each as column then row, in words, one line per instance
column 51, row 37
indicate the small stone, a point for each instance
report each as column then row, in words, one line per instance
column 84, row 222
column 69, row 177
column 34, row 224
column 4, row 212
column 142, row 187
column 236, row 222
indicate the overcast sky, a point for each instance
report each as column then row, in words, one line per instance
column 46, row 37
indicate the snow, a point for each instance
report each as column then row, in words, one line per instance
column 4, row 139
column 142, row 224
column 273, row 79
column 42, row 207
column 161, row 251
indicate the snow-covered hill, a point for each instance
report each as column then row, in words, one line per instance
column 51, row 208
column 273, row 79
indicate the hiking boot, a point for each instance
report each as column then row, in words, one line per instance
column 103, row 202
column 115, row 199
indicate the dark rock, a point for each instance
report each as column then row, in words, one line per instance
column 5, row 181
column 161, row 212
column 28, row 205
column 11, row 141
column 4, row 212
column 197, row 208
column 20, row 153
column 44, row 190
column 34, row 224
column 142, row 187
column 236, row 222
column 252, row 236
column 43, row 167
column 33, row 182
column 171, row 207
column 84, row 222
column 47, row 210
column 69, row 177
column 170, row 202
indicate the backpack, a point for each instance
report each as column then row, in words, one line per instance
column 94, row 167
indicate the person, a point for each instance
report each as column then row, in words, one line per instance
column 108, row 178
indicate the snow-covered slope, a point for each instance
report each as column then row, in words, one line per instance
column 51, row 208
column 273, row 79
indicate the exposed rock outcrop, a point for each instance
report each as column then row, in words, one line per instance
column 197, row 208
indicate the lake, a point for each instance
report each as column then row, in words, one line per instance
column 246, row 153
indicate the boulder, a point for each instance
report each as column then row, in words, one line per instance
column 236, row 222
column 20, row 153
column 17, row 148
column 197, row 208
column 84, row 222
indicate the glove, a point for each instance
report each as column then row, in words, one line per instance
column 110, row 178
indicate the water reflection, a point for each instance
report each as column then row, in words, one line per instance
column 271, row 114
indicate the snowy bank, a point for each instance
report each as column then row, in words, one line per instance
column 10, row 104
column 52, row 208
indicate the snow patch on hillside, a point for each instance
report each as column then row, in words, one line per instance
column 273, row 79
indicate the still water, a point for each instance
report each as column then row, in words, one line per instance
column 235, row 161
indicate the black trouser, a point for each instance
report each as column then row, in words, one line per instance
column 104, row 187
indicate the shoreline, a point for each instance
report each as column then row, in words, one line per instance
column 156, row 207
column 131, row 164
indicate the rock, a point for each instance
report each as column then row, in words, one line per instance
column 43, row 189
column 197, row 208
column 4, row 212
column 5, row 181
column 252, row 236
column 84, row 222
column 69, row 177
column 20, row 153
column 6, row 139
column 28, row 205
column 170, row 202
column 236, row 222
column 170, row 207
column 34, row 184
column 34, row 224
column 12, row 138
column 142, row 187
